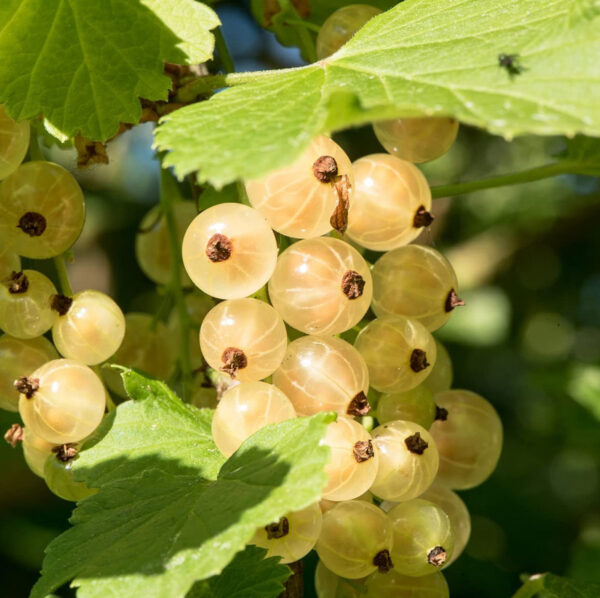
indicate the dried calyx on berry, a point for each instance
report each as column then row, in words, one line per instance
column 65, row 452
column 27, row 386
column 234, row 359
column 325, row 169
column 32, row 224
column 359, row 405
column 219, row 248
column 363, row 450
column 14, row 435
column 278, row 530
column 61, row 304
column 17, row 283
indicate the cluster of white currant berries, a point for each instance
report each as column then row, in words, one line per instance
column 60, row 398
column 388, row 515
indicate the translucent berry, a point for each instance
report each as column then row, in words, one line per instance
column 395, row 585
column 14, row 141
column 9, row 262
column 417, row 139
column 341, row 25
column 417, row 282
column 229, row 251
column 92, row 328
column 353, row 460
column 321, row 286
column 469, row 439
column 152, row 246
column 408, row 460
column 20, row 357
column 59, row 479
column 414, row 405
column 442, row 373
column 62, row 402
column 330, row 585
column 41, row 210
column 36, row 450
column 26, row 304
column 293, row 536
column 245, row 338
column 390, row 204
column 324, row 374
column 423, row 537
column 245, row 409
column 356, row 539
column 399, row 353
column 299, row 200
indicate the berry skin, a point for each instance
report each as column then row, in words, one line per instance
column 395, row 585
column 321, row 286
column 390, row 204
column 14, row 141
column 147, row 346
column 294, row 201
column 341, row 25
column 469, row 440
column 423, row 537
column 245, row 338
column 41, row 210
column 330, row 585
column 229, row 251
column 417, row 282
column 59, row 479
column 414, row 405
column 458, row 513
column 324, row 374
column 417, row 139
column 152, row 247
column 9, row 263
column 408, row 460
column 293, row 536
column 91, row 330
column 442, row 374
column 65, row 402
column 356, row 539
column 398, row 352
column 245, row 409
column 25, row 304
column 20, row 357
column 36, row 450
column 353, row 460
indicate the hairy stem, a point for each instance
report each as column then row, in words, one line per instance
column 514, row 178
column 223, row 51
column 63, row 276
column 169, row 192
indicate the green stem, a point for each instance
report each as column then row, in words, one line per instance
column 223, row 51
column 169, row 193
column 307, row 43
column 306, row 24
column 35, row 151
column 63, row 275
column 514, row 178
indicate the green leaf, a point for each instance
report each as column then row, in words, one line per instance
column 552, row 586
column 249, row 575
column 161, row 519
column 427, row 57
column 84, row 64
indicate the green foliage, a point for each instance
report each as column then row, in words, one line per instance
column 163, row 518
column 411, row 61
column 84, row 65
column 552, row 586
column 249, row 575
column 584, row 153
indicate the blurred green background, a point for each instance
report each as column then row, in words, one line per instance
column 528, row 261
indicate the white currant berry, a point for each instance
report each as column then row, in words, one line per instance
column 41, row 210
column 395, row 585
column 9, row 262
column 26, row 304
column 59, row 479
column 414, row 405
column 245, row 409
column 293, row 536
column 62, row 402
column 390, row 204
column 417, row 282
column 442, row 373
column 299, row 200
column 91, row 329
column 14, row 141
column 417, row 139
column 324, row 374
column 469, row 439
column 321, row 286
column 330, row 585
column 229, row 251
column 245, row 338
column 36, row 450
column 398, row 352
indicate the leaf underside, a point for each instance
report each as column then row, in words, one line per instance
column 422, row 58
